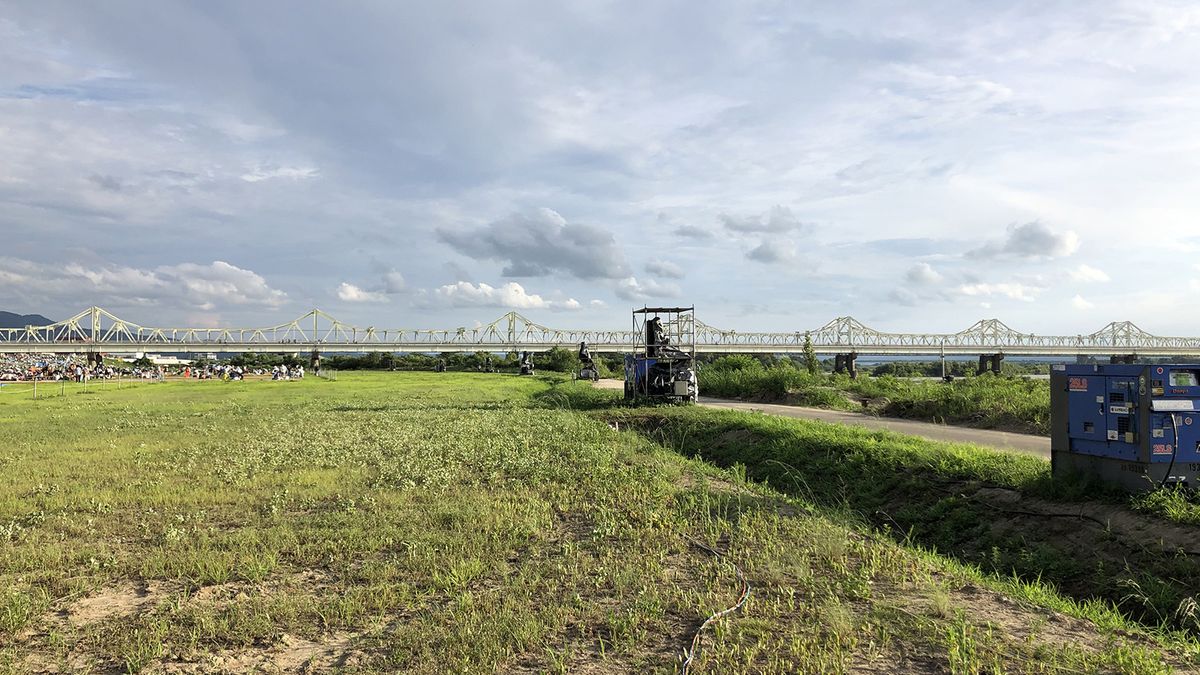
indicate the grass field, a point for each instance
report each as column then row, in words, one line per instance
column 434, row 523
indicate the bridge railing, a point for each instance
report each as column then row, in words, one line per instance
column 96, row 328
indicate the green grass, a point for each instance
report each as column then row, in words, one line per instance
column 942, row 496
column 989, row 402
column 429, row 522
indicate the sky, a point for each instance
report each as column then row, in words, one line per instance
column 918, row 166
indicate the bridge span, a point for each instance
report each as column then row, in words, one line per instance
column 96, row 330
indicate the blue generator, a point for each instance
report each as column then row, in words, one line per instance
column 1134, row 425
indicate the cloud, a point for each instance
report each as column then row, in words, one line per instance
column 204, row 131
column 293, row 172
column 393, row 282
column 927, row 285
column 778, row 220
column 540, row 243
column 923, row 285
column 923, row 273
column 903, row 296
column 390, row 282
column 1013, row 290
column 773, row 251
column 664, row 268
column 110, row 183
column 633, row 290
column 1087, row 273
column 1079, row 303
column 510, row 295
column 221, row 282
column 351, row 293
column 1031, row 240
column 693, row 232
column 187, row 284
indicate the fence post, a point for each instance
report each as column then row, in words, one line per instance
column 62, row 388
column 35, row 390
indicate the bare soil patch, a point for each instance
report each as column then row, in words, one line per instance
column 1127, row 526
column 290, row 654
column 1019, row 626
column 1024, row 624
column 120, row 600
column 712, row 484
column 609, row 384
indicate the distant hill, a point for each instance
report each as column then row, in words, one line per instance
column 10, row 320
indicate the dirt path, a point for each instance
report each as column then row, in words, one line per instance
column 1038, row 446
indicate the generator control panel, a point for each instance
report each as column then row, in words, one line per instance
column 1136, row 425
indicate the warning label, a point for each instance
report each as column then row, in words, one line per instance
column 1077, row 384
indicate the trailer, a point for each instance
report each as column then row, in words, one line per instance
column 662, row 366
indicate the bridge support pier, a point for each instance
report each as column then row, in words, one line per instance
column 846, row 363
column 992, row 362
column 315, row 362
column 1123, row 358
column 95, row 359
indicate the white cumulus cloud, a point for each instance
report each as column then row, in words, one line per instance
column 192, row 285
column 1078, row 302
column 351, row 293
column 510, row 295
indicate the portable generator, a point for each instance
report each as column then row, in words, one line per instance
column 1137, row 426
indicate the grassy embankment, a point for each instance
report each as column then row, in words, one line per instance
column 1000, row 512
column 436, row 523
column 989, row 402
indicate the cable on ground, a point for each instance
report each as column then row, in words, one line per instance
column 744, row 595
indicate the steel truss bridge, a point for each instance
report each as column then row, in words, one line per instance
column 96, row 330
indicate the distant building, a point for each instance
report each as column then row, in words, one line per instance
column 160, row 359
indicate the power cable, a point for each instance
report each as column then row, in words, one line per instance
column 742, row 597
column 1174, row 451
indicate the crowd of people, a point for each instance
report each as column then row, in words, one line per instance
column 228, row 371
column 23, row 368
column 76, row 368
column 15, row 367
column 285, row 373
